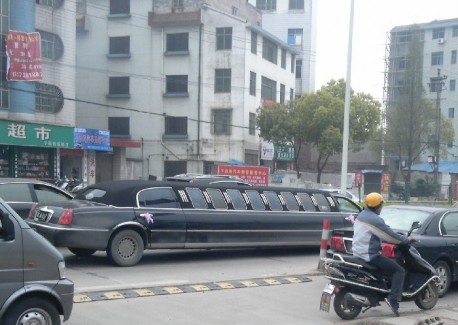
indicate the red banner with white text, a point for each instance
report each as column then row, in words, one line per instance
column 256, row 175
column 24, row 56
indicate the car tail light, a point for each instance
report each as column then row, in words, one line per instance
column 66, row 217
column 337, row 244
column 389, row 250
column 32, row 210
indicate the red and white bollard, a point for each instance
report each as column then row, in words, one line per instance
column 324, row 242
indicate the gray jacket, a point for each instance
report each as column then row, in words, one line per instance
column 369, row 231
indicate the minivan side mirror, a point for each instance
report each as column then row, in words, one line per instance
column 7, row 226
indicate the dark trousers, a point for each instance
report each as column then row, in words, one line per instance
column 390, row 267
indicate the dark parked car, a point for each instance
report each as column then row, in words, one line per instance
column 436, row 239
column 125, row 217
column 22, row 193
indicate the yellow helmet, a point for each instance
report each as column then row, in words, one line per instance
column 373, row 199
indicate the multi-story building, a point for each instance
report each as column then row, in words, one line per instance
column 294, row 22
column 177, row 83
column 37, row 107
column 439, row 40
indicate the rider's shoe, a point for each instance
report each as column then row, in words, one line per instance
column 393, row 304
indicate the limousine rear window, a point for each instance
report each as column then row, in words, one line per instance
column 197, row 198
column 306, row 201
column 274, row 202
column 255, row 200
column 217, row 198
column 157, row 197
column 322, row 202
column 237, row 199
column 290, row 200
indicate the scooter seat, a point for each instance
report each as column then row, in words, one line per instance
column 360, row 261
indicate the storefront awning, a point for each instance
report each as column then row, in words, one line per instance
column 125, row 143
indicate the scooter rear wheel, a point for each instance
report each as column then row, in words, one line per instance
column 345, row 309
column 428, row 297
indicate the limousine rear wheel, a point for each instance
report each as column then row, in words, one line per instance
column 32, row 311
column 125, row 248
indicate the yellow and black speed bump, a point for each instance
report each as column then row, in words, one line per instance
column 200, row 287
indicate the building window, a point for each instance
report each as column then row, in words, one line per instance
column 222, row 121
column 177, row 4
column 295, row 36
column 291, row 94
column 298, row 69
column 437, row 58
column 119, row 7
column 222, row 80
column 451, row 112
column 252, row 83
column 282, row 93
column 119, row 126
column 252, row 124
column 176, row 125
column 452, row 85
column 48, row 98
column 235, row 10
column 455, row 31
column 283, row 58
column 438, row 33
column 453, row 60
column 119, row 86
column 254, row 43
column 176, row 84
column 266, row 4
column 268, row 89
column 120, row 45
column 224, row 38
column 178, row 42
column 51, row 3
column 296, row 4
column 293, row 61
column 51, row 46
column 269, row 51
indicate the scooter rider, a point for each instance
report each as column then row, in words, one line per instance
column 369, row 230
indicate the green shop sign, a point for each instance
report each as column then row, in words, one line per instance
column 39, row 135
column 284, row 153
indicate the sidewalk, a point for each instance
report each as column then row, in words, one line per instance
column 443, row 316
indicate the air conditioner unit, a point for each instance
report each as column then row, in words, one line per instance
column 441, row 41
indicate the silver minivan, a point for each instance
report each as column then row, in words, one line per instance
column 33, row 286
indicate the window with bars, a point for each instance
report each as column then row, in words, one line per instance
column 223, row 80
column 224, row 38
column 48, row 98
column 119, row 126
column 52, row 46
column 177, row 42
column 296, row 4
column 222, row 120
column 120, row 45
column 269, row 51
column 266, row 4
column 118, row 86
column 176, row 84
column 176, row 125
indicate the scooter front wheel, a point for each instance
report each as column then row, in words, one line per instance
column 428, row 297
column 345, row 309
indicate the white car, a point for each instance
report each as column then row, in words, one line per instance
column 348, row 194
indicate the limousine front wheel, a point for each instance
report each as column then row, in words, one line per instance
column 125, row 248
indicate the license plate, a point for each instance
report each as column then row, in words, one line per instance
column 325, row 302
column 42, row 216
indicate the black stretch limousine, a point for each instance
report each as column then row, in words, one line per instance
column 126, row 217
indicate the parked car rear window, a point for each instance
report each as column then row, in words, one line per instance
column 290, row 200
column 158, row 198
column 47, row 193
column 197, row 198
column 256, row 200
column 237, row 199
column 306, row 201
column 15, row 192
column 217, row 198
column 274, row 202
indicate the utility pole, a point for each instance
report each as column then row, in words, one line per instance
column 436, row 85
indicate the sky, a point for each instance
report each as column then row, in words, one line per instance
column 373, row 19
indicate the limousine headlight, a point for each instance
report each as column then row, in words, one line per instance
column 61, row 267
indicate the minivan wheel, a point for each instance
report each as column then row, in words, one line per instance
column 125, row 248
column 32, row 311
column 82, row 252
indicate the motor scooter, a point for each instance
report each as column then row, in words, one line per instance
column 356, row 284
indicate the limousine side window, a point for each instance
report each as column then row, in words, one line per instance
column 197, row 198
column 217, row 198
column 237, row 199
column 306, row 201
column 322, row 202
column 290, row 200
column 158, row 198
column 255, row 200
column 274, row 202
